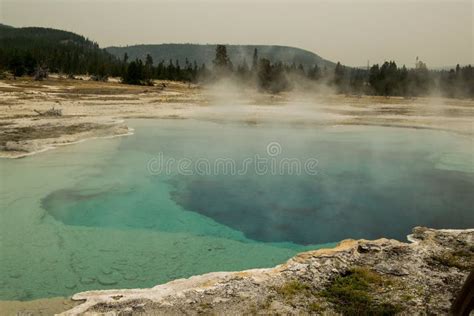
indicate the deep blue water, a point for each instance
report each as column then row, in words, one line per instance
column 369, row 182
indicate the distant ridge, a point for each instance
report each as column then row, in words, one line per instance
column 27, row 37
column 58, row 50
column 204, row 53
column 41, row 34
column 20, row 37
column 5, row 26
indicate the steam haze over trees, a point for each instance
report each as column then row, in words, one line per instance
column 24, row 50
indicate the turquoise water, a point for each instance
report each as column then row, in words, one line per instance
column 95, row 215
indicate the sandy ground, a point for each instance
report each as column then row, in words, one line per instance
column 96, row 109
column 90, row 109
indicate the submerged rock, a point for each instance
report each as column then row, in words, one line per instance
column 87, row 280
column 107, row 280
column 379, row 277
column 71, row 285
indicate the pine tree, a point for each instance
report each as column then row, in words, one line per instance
column 255, row 60
column 314, row 73
column 222, row 64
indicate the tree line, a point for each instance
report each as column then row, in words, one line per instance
column 143, row 73
column 385, row 80
column 23, row 53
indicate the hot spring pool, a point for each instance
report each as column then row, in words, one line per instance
column 175, row 200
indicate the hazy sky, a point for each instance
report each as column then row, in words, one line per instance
column 440, row 32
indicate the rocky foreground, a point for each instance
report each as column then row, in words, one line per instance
column 357, row 277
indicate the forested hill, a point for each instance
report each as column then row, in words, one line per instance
column 24, row 35
column 206, row 53
column 60, row 51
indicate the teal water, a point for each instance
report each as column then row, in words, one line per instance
column 93, row 216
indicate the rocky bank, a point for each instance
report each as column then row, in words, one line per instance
column 357, row 277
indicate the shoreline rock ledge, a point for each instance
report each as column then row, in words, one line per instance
column 382, row 276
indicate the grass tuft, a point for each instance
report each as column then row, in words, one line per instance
column 461, row 259
column 352, row 294
column 294, row 288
